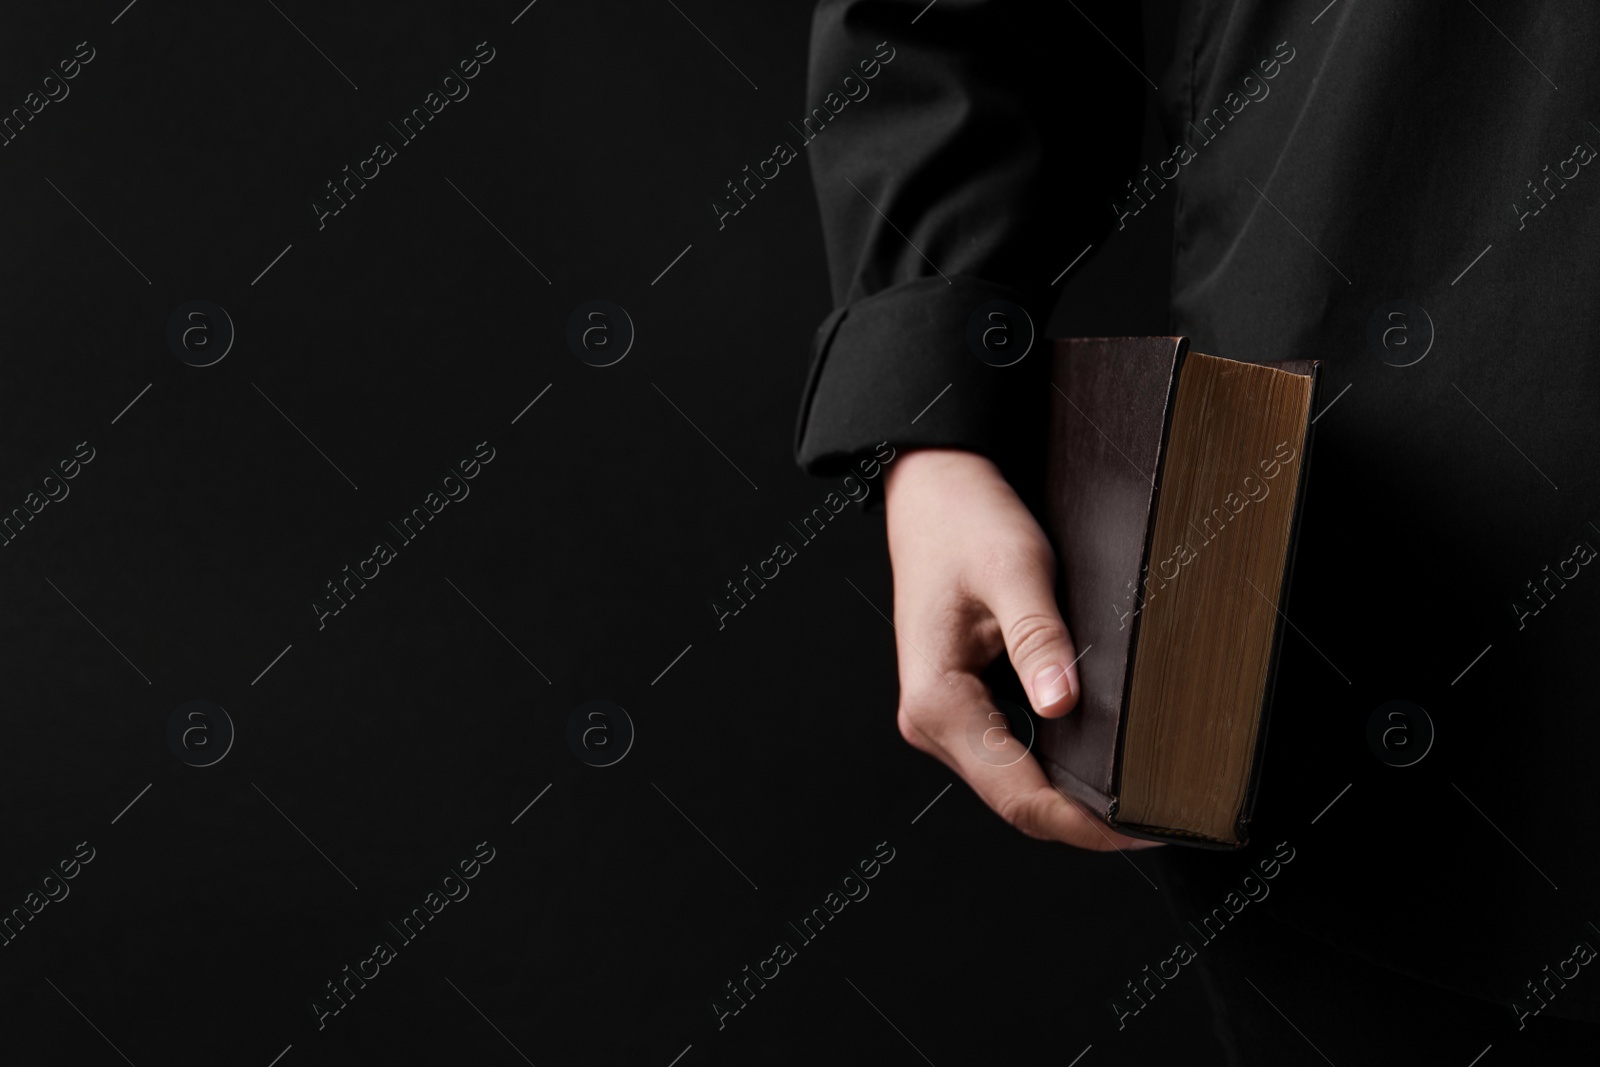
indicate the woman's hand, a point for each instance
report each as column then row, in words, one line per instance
column 974, row 577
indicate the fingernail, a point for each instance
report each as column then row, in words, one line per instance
column 1050, row 685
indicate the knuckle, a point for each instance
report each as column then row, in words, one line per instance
column 1023, row 813
column 1034, row 633
column 910, row 721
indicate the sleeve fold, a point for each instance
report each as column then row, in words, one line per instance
column 969, row 147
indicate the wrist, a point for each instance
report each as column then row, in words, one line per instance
column 920, row 465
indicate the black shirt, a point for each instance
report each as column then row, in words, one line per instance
column 1332, row 166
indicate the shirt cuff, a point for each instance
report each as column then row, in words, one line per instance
column 897, row 367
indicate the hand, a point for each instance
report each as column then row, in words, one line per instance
column 974, row 576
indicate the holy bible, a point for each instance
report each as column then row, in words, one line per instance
column 1175, row 482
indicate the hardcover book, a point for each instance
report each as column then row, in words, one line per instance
column 1175, row 485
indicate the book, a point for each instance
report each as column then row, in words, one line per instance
column 1175, row 483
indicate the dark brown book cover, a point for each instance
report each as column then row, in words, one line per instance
column 1111, row 413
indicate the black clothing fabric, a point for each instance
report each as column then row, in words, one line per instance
column 1281, row 998
column 941, row 190
column 1332, row 166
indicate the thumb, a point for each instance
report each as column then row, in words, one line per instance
column 1036, row 638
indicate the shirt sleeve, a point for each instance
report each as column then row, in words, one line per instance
column 948, row 145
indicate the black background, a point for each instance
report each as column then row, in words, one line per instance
column 411, row 727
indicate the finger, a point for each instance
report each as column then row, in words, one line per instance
column 1133, row 844
column 1022, row 598
column 1021, row 795
column 964, row 730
